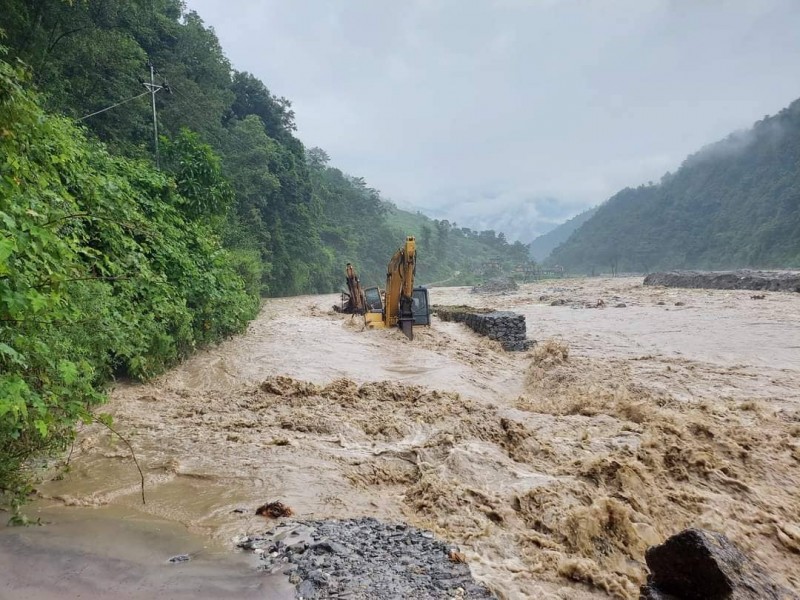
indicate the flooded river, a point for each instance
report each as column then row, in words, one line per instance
column 643, row 411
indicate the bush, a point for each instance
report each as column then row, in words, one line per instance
column 103, row 272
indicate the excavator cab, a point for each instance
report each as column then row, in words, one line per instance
column 420, row 307
column 375, row 314
column 373, row 300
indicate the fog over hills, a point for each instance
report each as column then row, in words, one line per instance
column 519, row 218
column 542, row 246
column 734, row 203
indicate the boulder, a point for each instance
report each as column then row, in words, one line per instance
column 496, row 285
column 701, row 565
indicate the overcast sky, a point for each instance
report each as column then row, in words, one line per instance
column 503, row 111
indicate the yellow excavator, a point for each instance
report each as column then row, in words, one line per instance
column 403, row 304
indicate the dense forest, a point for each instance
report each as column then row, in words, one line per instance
column 735, row 203
column 118, row 257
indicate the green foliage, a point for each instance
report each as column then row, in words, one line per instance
column 202, row 188
column 109, row 267
column 734, row 204
column 542, row 246
column 102, row 272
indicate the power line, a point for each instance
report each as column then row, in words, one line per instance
column 152, row 88
column 114, row 105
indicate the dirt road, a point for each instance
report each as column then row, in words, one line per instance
column 553, row 469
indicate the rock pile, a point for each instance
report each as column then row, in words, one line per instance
column 495, row 286
column 364, row 559
column 698, row 564
column 506, row 327
column 774, row 281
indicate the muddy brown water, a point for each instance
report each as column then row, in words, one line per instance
column 553, row 471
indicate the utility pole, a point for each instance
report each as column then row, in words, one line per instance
column 153, row 89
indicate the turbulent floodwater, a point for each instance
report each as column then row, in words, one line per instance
column 553, row 469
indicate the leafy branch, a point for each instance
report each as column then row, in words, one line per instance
column 105, row 420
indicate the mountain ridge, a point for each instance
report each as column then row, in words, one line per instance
column 734, row 203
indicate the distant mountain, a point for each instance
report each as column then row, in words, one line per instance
column 735, row 203
column 446, row 253
column 542, row 246
column 518, row 215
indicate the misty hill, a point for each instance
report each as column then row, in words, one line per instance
column 449, row 254
column 519, row 216
column 541, row 247
column 735, row 203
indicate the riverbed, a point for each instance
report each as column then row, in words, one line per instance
column 640, row 412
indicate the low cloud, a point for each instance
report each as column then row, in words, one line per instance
column 507, row 105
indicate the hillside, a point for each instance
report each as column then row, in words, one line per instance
column 541, row 247
column 520, row 216
column 450, row 254
column 735, row 203
column 120, row 257
column 291, row 220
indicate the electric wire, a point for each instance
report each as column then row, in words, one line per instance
column 114, row 105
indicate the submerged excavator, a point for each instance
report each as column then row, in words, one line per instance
column 353, row 298
column 402, row 304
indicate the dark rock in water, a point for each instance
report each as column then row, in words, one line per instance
column 775, row 281
column 496, row 285
column 274, row 510
column 651, row 593
column 180, row 558
column 701, row 565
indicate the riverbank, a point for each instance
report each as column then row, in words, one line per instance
column 552, row 470
column 745, row 279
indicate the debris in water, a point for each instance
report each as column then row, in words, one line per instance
column 457, row 557
column 180, row 558
column 493, row 286
column 274, row 510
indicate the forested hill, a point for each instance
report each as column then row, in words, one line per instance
column 735, row 203
column 543, row 245
column 294, row 220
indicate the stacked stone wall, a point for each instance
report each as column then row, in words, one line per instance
column 773, row 281
column 506, row 327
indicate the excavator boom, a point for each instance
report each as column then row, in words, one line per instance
column 404, row 305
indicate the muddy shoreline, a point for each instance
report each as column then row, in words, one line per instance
column 552, row 470
column 115, row 552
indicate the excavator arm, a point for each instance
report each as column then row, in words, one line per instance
column 403, row 305
column 400, row 286
column 353, row 298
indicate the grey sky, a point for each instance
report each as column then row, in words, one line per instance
column 484, row 111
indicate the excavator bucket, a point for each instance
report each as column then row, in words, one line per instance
column 407, row 325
